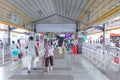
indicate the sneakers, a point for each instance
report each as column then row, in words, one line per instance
column 47, row 69
column 50, row 68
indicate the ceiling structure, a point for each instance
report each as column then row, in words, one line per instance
column 51, row 11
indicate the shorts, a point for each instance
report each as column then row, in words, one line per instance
column 49, row 61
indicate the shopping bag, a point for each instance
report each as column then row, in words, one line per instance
column 37, row 59
column 116, row 60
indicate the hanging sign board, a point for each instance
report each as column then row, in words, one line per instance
column 14, row 18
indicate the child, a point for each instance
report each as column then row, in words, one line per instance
column 15, row 53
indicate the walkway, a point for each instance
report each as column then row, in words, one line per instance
column 66, row 67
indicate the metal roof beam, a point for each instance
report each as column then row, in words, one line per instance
column 66, row 18
column 54, row 15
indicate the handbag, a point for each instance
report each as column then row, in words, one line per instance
column 36, row 59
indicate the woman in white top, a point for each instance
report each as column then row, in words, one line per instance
column 31, row 53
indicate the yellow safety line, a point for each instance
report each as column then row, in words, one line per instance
column 15, row 67
column 17, row 32
column 109, row 13
column 12, row 31
column 3, row 30
column 14, row 25
column 106, row 30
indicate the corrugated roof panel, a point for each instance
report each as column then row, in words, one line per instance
column 39, row 9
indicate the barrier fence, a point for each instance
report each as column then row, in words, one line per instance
column 106, row 59
column 5, row 54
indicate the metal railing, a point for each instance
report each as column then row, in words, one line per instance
column 6, row 54
column 102, row 58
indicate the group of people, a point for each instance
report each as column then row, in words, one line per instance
column 115, row 43
column 66, row 42
column 33, row 54
column 16, row 52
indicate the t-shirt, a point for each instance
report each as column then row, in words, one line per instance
column 13, row 46
column 68, row 41
column 31, row 48
column 16, row 52
column 49, row 50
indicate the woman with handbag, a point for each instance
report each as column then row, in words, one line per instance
column 48, row 56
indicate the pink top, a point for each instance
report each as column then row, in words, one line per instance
column 49, row 50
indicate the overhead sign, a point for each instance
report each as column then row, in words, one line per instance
column 14, row 18
column 56, row 28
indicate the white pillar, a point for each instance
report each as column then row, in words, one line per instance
column 5, row 35
column 107, row 38
column 106, row 35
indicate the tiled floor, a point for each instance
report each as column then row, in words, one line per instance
column 72, row 67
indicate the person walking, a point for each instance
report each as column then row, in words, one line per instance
column 68, row 42
column 32, row 53
column 15, row 53
column 49, row 56
column 13, row 47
